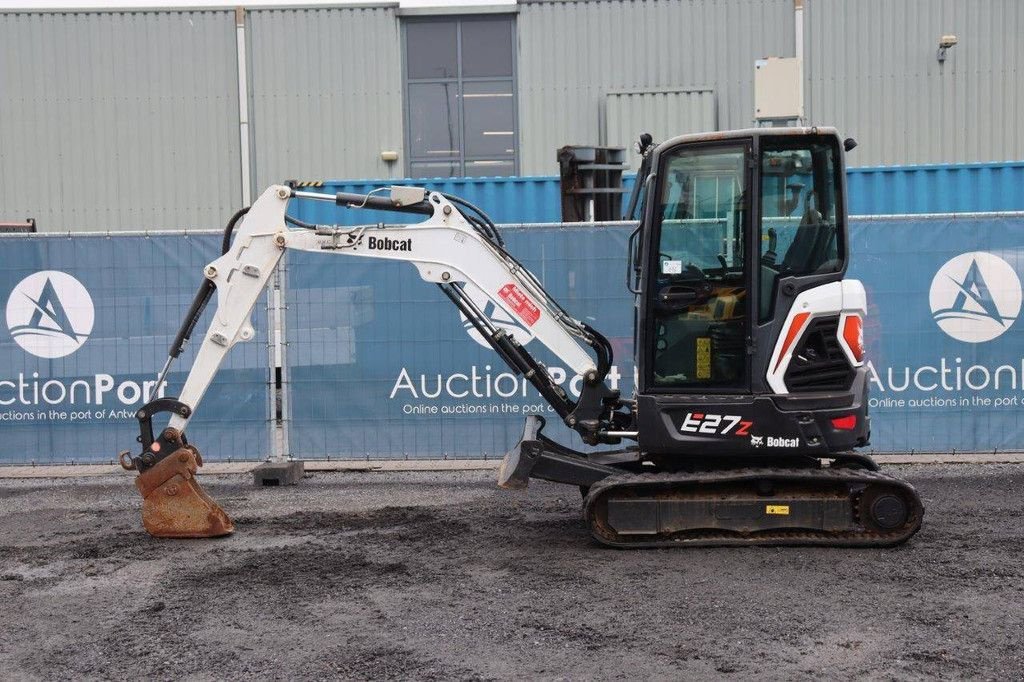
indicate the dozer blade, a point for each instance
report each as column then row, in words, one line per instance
column 537, row 456
column 174, row 505
column 514, row 472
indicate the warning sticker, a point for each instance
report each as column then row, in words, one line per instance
column 520, row 303
column 703, row 357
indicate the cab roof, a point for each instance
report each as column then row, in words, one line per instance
column 744, row 133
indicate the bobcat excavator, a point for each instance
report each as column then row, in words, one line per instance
column 751, row 387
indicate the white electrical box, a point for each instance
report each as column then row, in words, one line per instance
column 778, row 89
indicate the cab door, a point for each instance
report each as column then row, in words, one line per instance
column 695, row 299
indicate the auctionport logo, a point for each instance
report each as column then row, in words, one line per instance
column 975, row 297
column 498, row 317
column 50, row 314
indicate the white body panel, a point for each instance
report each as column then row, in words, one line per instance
column 843, row 298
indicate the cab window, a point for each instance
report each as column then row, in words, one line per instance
column 799, row 216
column 698, row 283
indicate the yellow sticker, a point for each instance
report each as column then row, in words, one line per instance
column 703, row 357
column 777, row 509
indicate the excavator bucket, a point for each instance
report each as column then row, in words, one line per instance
column 174, row 505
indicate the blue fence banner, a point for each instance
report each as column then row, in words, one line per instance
column 88, row 323
column 378, row 364
column 406, row 381
column 944, row 340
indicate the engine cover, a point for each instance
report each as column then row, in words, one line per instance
column 769, row 426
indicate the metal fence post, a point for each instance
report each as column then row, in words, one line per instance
column 278, row 408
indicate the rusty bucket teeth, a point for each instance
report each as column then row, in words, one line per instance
column 174, row 505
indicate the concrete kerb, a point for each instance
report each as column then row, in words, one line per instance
column 221, row 468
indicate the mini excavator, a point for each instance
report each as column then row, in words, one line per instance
column 751, row 392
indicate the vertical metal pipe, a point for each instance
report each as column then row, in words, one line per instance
column 798, row 39
column 281, row 342
column 243, row 104
column 278, row 406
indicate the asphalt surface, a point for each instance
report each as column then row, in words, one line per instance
column 442, row 576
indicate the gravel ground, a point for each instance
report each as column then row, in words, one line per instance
column 443, row 576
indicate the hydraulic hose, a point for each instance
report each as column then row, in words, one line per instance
column 492, row 229
column 230, row 229
column 206, row 290
column 601, row 345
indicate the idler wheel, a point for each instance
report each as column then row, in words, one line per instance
column 888, row 511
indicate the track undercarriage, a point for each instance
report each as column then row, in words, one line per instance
column 796, row 501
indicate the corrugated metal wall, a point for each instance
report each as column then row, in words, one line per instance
column 572, row 53
column 872, row 71
column 326, row 93
column 122, row 120
column 129, row 120
column 662, row 113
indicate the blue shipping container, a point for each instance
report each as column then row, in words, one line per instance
column 883, row 190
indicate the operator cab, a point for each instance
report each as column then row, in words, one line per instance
column 726, row 220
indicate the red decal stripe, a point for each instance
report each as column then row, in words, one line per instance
column 794, row 332
column 853, row 334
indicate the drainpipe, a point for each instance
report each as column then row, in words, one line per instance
column 798, row 35
column 243, row 104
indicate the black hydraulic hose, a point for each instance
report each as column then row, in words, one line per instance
column 478, row 226
column 195, row 311
column 230, row 229
column 492, row 228
column 299, row 223
column 605, row 354
column 205, row 292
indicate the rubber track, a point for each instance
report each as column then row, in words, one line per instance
column 715, row 538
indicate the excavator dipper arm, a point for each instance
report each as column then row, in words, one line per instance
column 447, row 249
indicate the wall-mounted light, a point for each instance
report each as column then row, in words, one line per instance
column 945, row 42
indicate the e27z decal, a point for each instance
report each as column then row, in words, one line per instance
column 715, row 424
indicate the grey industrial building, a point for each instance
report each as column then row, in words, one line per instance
column 158, row 119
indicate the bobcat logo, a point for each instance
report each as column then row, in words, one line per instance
column 757, row 441
column 50, row 314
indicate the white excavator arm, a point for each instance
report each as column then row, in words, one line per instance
column 445, row 249
column 464, row 256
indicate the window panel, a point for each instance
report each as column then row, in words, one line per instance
column 699, row 341
column 496, row 168
column 433, row 120
column 490, row 119
column 799, row 228
column 487, row 48
column 462, row 123
column 431, row 49
column 426, row 169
